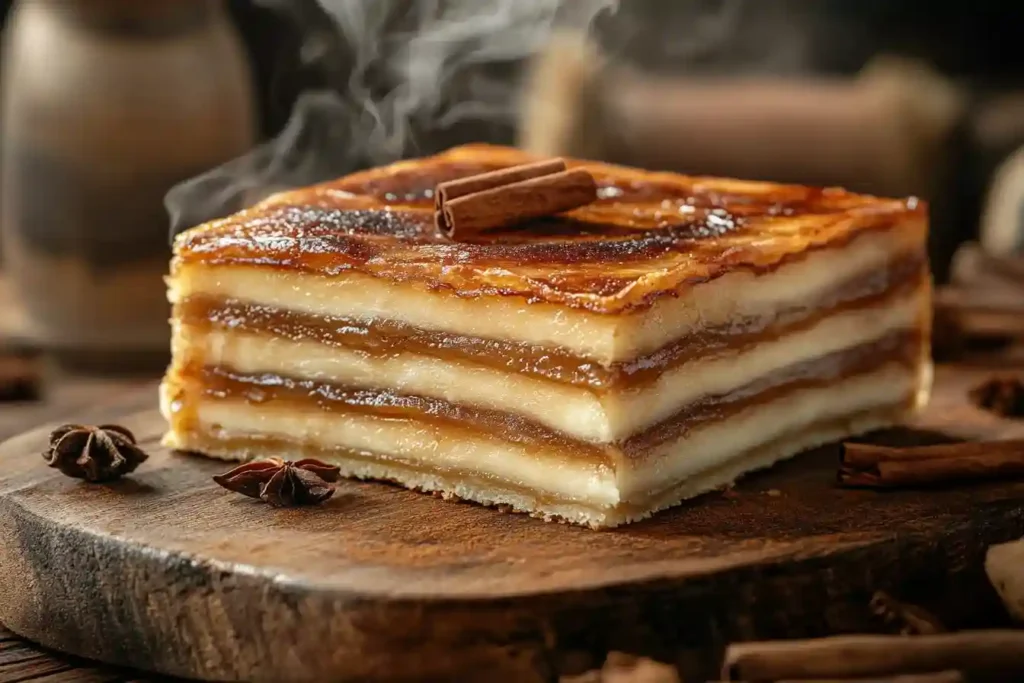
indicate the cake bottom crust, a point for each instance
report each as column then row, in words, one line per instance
column 453, row 484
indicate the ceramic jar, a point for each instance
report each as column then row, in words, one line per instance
column 106, row 105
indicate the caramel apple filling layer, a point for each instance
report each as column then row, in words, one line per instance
column 548, row 479
column 277, row 392
column 385, row 338
column 818, row 275
column 583, row 413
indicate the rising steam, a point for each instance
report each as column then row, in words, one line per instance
column 395, row 73
column 443, row 59
column 397, row 78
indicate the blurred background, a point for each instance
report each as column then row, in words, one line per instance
column 108, row 105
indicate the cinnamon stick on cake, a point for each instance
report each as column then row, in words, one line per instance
column 654, row 338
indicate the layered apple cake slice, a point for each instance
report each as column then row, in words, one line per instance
column 594, row 367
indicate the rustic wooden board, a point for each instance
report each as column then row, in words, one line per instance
column 168, row 572
column 65, row 398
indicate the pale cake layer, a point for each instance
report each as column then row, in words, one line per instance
column 470, row 486
column 582, row 413
column 605, row 338
column 543, row 482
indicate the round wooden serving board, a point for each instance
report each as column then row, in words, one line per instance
column 168, row 572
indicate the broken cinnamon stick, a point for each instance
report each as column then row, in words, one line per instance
column 469, row 206
column 866, row 465
column 839, row 657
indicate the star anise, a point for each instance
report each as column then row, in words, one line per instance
column 282, row 483
column 1001, row 395
column 95, row 454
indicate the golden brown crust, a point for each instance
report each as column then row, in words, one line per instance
column 649, row 235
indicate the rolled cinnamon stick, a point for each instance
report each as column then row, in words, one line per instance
column 839, row 657
column 468, row 207
column 460, row 187
column 866, row 465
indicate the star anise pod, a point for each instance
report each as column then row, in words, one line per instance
column 95, row 454
column 282, row 483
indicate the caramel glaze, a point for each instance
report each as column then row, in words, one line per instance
column 649, row 235
column 386, row 337
column 904, row 347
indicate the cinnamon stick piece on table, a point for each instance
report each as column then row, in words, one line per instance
column 838, row 657
column 867, row 465
column 469, row 206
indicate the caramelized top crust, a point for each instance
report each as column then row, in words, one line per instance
column 648, row 235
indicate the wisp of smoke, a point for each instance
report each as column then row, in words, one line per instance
column 311, row 147
column 397, row 70
column 437, row 57
column 397, row 74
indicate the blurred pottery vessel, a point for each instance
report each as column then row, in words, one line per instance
column 892, row 130
column 106, row 105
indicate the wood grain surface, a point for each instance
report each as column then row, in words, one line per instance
column 166, row 571
column 22, row 662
